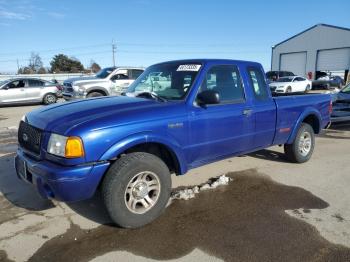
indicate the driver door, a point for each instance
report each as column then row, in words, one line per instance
column 13, row 92
column 221, row 129
column 120, row 82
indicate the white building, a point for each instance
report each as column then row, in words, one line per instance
column 318, row 48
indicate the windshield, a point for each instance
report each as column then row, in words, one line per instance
column 171, row 81
column 103, row 73
column 346, row 89
column 285, row 79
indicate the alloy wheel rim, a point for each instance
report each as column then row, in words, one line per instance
column 305, row 143
column 50, row 99
column 142, row 192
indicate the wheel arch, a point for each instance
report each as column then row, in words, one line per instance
column 99, row 89
column 310, row 116
column 167, row 150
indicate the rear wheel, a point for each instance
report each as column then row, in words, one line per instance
column 303, row 145
column 94, row 94
column 49, row 99
column 136, row 189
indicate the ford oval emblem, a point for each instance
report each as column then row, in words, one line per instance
column 25, row 137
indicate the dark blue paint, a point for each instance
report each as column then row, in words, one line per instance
column 109, row 126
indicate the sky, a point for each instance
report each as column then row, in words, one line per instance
column 150, row 31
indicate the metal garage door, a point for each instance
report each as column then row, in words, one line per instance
column 333, row 59
column 294, row 62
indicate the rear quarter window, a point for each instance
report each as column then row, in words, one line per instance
column 258, row 84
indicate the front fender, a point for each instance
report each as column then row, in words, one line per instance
column 307, row 112
column 146, row 137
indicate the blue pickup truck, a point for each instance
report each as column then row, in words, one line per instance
column 202, row 111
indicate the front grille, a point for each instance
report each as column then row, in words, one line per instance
column 68, row 89
column 29, row 137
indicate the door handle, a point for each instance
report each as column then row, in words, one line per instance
column 22, row 89
column 247, row 112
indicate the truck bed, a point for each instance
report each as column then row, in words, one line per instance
column 290, row 108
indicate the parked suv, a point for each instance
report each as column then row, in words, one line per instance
column 273, row 76
column 108, row 81
column 28, row 90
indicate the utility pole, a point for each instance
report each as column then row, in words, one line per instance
column 114, row 49
column 17, row 66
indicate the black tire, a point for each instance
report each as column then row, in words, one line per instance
column 120, row 175
column 94, row 94
column 293, row 151
column 308, row 88
column 49, row 99
column 289, row 89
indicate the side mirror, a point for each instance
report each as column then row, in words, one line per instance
column 208, row 97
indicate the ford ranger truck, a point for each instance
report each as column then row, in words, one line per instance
column 128, row 146
column 107, row 82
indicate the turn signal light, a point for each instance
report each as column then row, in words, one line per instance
column 330, row 107
column 74, row 147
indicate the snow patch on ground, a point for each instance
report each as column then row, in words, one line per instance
column 189, row 193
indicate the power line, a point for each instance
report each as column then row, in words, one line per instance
column 114, row 49
column 54, row 50
column 165, row 45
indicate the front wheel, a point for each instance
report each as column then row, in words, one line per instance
column 307, row 88
column 94, row 94
column 136, row 189
column 49, row 99
column 303, row 145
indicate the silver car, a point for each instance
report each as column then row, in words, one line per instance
column 28, row 90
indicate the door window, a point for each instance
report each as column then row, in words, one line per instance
column 226, row 81
column 135, row 73
column 35, row 83
column 16, row 84
column 258, row 84
column 119, row 77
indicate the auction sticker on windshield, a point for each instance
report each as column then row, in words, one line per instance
column 188, row 68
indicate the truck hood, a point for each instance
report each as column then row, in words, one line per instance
column 84, row 80
column 94, row 113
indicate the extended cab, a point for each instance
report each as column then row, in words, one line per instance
column 128, row 146
column 108, row 81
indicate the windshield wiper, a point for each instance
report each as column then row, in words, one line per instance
column 152, row 95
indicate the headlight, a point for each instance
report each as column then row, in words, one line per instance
column 280, row 87
column 68, row 147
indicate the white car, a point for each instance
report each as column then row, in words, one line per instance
column 290, row 84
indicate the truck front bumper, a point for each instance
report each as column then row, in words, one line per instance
column 73, row 96
column 73, row 183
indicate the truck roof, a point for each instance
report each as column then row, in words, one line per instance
column 212, row 60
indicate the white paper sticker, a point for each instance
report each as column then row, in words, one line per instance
column 188, row 68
